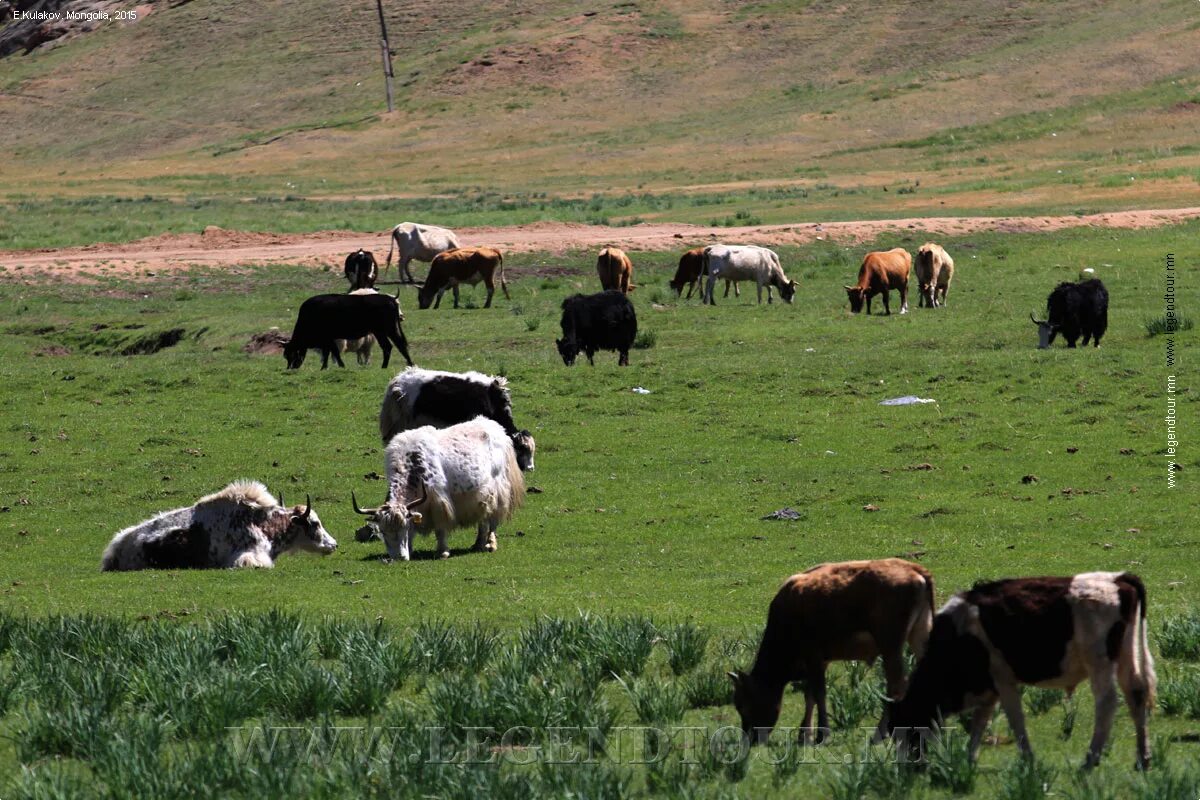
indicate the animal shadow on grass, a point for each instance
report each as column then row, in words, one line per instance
column 420, row 555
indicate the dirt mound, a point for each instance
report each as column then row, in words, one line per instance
column 270, row 343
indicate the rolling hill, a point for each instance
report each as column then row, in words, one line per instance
column 906, row 108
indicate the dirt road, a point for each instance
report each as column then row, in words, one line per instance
column 216, row 247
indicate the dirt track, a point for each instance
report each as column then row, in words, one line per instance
column 217, row 247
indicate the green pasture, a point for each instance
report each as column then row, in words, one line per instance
column 651, row 505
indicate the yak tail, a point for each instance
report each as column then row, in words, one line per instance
column 503, row 285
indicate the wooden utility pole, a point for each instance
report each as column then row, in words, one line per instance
column 387, row 56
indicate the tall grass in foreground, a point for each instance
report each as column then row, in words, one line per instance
column 152, row 709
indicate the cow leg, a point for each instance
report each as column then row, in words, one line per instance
column 491, row 545
column 979, row 724
column 769, row 299
column 386, row 347
column 623, row 361
column 491, row 290
column 760, row 294
column 337, row 357
column 817, row 674
column 737, row 290
column 1010, row 701
column 324, row 358
column 869, row 304
column 1105, row 691
column 904, row 299
column 590, row 353
column 402, row 344
column 707, row 296
column 887, row 302
column 455, row 290
column 443, row 547
column 1137, row 696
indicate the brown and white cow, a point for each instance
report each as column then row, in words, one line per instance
column 1054, row 632
column 691, row 268
column 468, row 265
column 848, row 611
column 935, row 270
column 881, row 271
column 615, row 270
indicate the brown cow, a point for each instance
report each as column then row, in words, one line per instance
column 849, row 611
column 935, row 270
column 615, row 270
column 691, row 267
column 462, row 265
column 881, row 271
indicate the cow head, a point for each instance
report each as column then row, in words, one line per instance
column 788, row 291
column 294, row 355
column 1046, row 332
column 425, row 297
column 393, row 520
column 568, row 349
column 677, row 286
column 305, row 531
column 758, row 709
column 524, row 447
column 858, row 297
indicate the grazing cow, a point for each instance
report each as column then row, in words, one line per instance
column 361, row 269
column 240, row 526
column 850, row 611
column 418, row 397
column 324, row 319
column 604, row 321
column 746, row 263
column 464, row 265
column 1053, row 632
column 881, row 271
column 935, row 270
column 615, row 270
column 360, row 347
column 691, row 267
column 1074, row 308
column 442, row 479
column 421, row 242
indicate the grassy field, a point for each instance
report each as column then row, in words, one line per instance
column 1030, row 462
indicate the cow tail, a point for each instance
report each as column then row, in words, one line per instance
column 1143, row 660
column 503, row 285
column 391, row 245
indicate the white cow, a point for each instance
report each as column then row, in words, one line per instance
column 746, row 263
column 240, row 526
column 420, row 242
column 442, row 479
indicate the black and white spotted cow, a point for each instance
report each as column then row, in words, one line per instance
column 1053, row 632
column 419, row 397
column 361, row 269
column 240, row 526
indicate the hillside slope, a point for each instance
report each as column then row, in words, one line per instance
column 1012, row 103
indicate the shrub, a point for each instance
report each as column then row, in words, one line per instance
column 1025, row 779
column 644, row 340
column 1039, row 700
column 1157, row 326
column 1179, row 637
column 950, row 765
column 854, row 697
column 1179, row 692
column 655, row 702
column 685, row 644
column 708, row 687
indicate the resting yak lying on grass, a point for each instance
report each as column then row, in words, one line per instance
column 240, row 526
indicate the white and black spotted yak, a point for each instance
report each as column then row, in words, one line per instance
column 1053, row 632
column 326, row 318
column 240, row 526
column 418, row 397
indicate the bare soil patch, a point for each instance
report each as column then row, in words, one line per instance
column 217, row 247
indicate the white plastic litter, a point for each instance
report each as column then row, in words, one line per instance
column 907, row 400
column 640, row 390
column 810, row 349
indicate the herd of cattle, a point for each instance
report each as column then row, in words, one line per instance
column 454, row 458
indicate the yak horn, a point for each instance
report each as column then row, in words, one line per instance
column 281, row 500
column 307, row 504
column 357, row 510
column 421, row 499
column 1034, row 319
